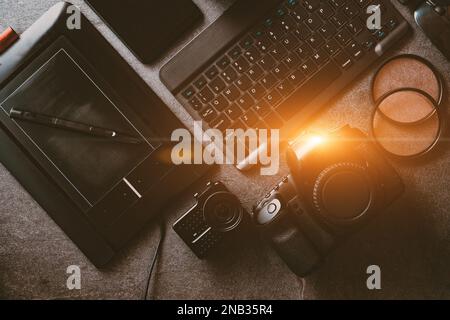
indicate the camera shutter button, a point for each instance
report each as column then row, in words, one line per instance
column 272, row 208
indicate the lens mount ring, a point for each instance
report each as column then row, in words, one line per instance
column 344, row 193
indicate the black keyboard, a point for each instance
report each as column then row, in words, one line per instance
column 283, row 63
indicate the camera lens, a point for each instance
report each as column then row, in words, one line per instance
column 223, row 211
column 343, row 193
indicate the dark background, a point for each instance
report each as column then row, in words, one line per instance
column 410, row 242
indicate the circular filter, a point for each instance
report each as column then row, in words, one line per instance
column 401, row 132
column 407, row 106
column 407, row 71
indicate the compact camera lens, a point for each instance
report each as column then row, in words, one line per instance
column 343, row 193
column 223, row 211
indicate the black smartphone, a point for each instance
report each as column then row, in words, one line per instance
column 147, row 27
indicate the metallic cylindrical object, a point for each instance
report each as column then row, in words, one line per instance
column 7, row 38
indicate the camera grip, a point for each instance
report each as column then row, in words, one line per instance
column 294, row 248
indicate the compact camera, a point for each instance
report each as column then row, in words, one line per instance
column 337, row 183
column 217, row 215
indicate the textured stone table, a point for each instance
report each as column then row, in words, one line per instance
column 410, row 242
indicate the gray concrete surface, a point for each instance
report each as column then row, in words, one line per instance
column 410, row 242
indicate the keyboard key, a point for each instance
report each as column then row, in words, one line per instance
column 367, row 41
column 229, row 74
column 269, row 22
column 233, row 112
column 257, row 91
column 355, row 26
column 250, row 118
column 223, row 62
column 278, row 52
column 208, row 114
column 304, row 51
column 327, row 30
column 299, row 14
column 280, row 12
column 257, row 33
column 217, row 85
column 292, row 61
column 273, row 121
column 212, row 72
column 309, row 90
column 189, row 92
column 276, row 32
column 291, row 3
column 281, row 71
column 343, row 59
column 308, row 67
column 222, row 123
column 235, row 52
column 351, row 9
column 320, row 57
column 285, row 88
column 325, row 11
column 263, row 44
column 267, row 63
column 273, row 98
column 343, row 37
column 380, row 34
column 241, row 65
column 338, row 3
column 268, row 81
column 200, row 82
column 290, row 42
column 261, row 108
column 206, row 95
column 302, row 33
column 332, row 47
column 243, row 82
column 255, row 72
column 313, row 22
column 287, row 23
column 355, row 50
column 252, row 54
column 245, row 102
column 220, row 102
column 232, row 93
column 247, row 42
column 195, row 103
column 315, row 40
column 311, row 5
column 339, row 19
column 296, row 78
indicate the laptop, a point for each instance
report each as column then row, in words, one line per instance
column 273, row 64
column 100, row 189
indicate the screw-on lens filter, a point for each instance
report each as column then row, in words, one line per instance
column 408, row 120
column 407, row 123
column 407, row 71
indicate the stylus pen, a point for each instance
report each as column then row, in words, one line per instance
column 72, row 126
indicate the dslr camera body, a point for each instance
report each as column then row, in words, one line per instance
column 217, row 215
column 337, row 183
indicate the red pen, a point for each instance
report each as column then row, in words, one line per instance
column 7, row 38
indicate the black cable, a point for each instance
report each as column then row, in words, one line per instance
column 162, row 233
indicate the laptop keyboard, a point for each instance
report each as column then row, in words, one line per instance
column 288, row 59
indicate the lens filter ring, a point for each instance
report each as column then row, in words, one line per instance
column 407, row 123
